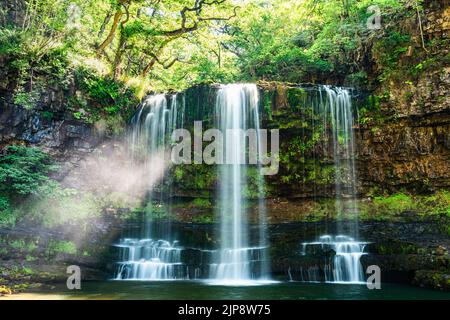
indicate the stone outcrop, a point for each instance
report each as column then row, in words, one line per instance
column 412, row 153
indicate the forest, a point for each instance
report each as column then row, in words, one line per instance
column 91, row 90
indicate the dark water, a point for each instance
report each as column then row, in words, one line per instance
column 192, row 290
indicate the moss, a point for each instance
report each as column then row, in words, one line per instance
column 395, row 247
column 61, row 246
column 324, row 174
column 396, row 203
column 198, row 178
column 201, row 203
column 432, row 279
column 204, row 218
column 395, row 206
column 267, row 104
column 30, row 258
column 155, row 210
column 296, row 97
column 5, row 290
column 23, row 245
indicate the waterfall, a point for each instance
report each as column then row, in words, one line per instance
column 339, row 109
column 147, row 257
column 334, row 106
column 238, row 259
column 242, row 256
column 343, row 266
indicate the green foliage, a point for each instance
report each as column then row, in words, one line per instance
column 199, row 177
column 103, row 98
column 20, row 244
column 304, row 41
column 389, row 49
column 48, row 115
column 395, row 204
column 60, row 206
column 4, row 203
column 61, row 246
column 201, row 203
column 27, row 192
column 254, row 187
column 205, row 218
column 8, row 217
column 155, row 210
column 25, row 99
column 34, row 61
column 23, row 171
column 288, row 40
column 370, row 111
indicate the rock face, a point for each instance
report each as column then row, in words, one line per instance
column 15, row 12
column 63, row 137
column 412, row 153
column 55, row 134
column 393, row 153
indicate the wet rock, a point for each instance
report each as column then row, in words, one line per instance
column 432, row 279
column 75, row 131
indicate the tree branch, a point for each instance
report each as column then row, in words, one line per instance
column 117, row 17
column 195, row 24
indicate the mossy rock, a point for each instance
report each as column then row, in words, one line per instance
column 4, row 290
column 432, row 279
column 392, row 247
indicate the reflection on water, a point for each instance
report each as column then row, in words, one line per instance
column 197, row 290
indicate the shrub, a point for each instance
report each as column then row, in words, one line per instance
column 23, row 170
column 394, row 204
column 60, row 246
column 103, row 97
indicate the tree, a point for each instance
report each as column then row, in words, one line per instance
column 148, row 28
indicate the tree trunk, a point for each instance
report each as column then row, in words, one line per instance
column 117, row 16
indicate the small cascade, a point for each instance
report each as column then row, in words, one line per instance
column 146, row 259
column 341, row 262
column 236, row 263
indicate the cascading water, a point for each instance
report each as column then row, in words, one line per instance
column 238, row 260
column 343, row 266
column 148, row 258
column 340, row 112
column 334, row 106
column 242, row 256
